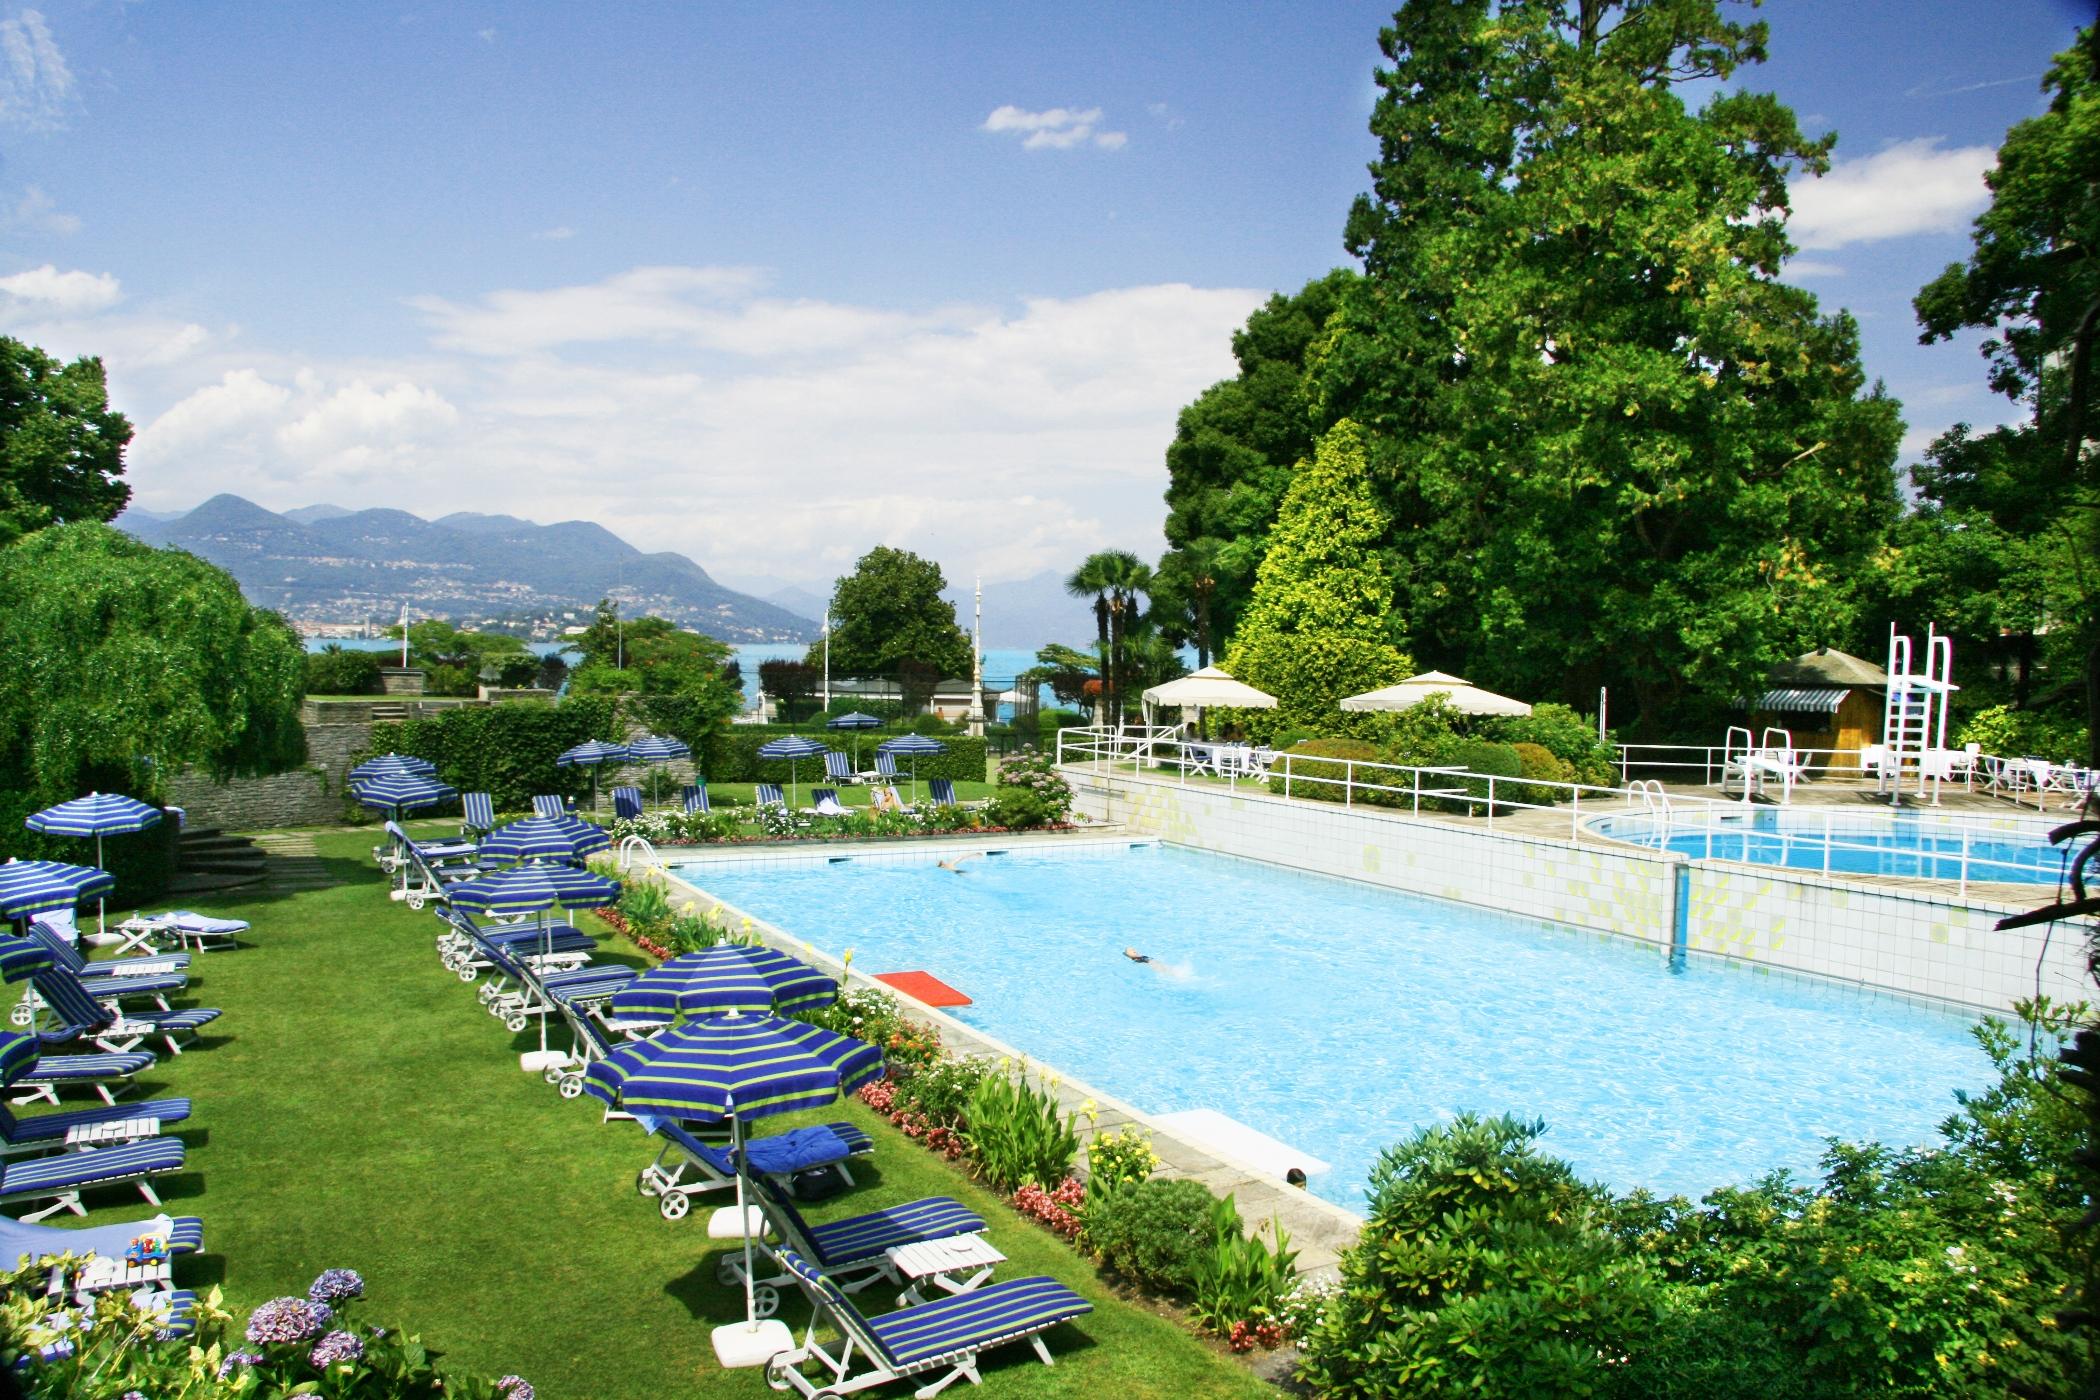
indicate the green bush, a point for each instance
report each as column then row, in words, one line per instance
column 941, row 1092
column 1017, row 1134
column 335, row 671
column 506, row 750
column 1535, row 761
column 1482, row 756
column 1151, row 1232
column 2012, row 733
column 1325, row 782
column 1486, row 1270
column 1031, row 793
column 730, row 755
column 1567, row 736
column 1240, row 1280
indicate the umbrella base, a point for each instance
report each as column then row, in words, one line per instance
column 540, row 1061
column 739, row 1344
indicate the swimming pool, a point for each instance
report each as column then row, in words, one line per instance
column 1337, row 1016
column 1910, row 844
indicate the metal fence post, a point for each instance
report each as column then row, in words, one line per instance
column 1348, row 782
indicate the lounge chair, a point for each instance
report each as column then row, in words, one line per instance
column 121, row 1122
column 947, row 1334
column 826, row 804
column 777, row 1157
column 58, row 935
column 695, row 797
column 520, row 991
column 477, row 815
column 81, row 1018
column 548, row 805
column 851, row 1252
column 187, row 928
column 941, row 792
column 108, row 1074
column 770, row 795
column 181, row 1234
column 138, row 981
column 885, row 768
column 62, row 1178
column 627, row 803
column 838, row 768
column 463, row 946
column 884, row 798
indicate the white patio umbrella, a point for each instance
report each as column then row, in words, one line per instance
column 1465, row 697
column 1207, row 689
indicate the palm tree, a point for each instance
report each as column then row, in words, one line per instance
column 1127, row 577
column 1092, row 580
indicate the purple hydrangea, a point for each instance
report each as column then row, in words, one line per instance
column 288, row 1320
column 337, row 1346
column 237, row 1360
column 514, row 1388
column 133, row 1395
column 336, row 1286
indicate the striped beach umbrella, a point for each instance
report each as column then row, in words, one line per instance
column 735, row 1067
column 393, row 765
column 534, row 889
column 653, row 749
column 563, row 838
column 22, row 957
column 30, row 887
column 911, row 746
column 794, row 748
column 593, row 754
column 98, row 814
column 855, row 721
column 728, row 977
column 402, row 792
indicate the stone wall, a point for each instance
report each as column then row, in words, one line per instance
column 309, row 796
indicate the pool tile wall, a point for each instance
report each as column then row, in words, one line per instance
column 1869, row 934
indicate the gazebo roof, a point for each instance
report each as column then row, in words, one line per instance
column 1827, row 666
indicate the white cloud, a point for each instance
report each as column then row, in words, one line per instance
column 36, row 86
column 1910, row 187
column 1812, row 267
column 241, row 401
column 557, row 234
column 47, row 290
column 1057, row 129
column 359, row 424
column 37, row 213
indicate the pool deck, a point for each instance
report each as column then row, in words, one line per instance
column 1319, row 1229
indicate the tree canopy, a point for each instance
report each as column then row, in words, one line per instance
column 454, row 657
column 1320, row 625
column 61, row 446
column 888, row 618
column 674, row 682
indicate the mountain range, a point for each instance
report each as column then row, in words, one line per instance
column 325, row 563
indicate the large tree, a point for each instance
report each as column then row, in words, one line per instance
column 1615, row 446
column 673, row 681
column 61, row 446
column 889, row 619
column 2032, row 281
column 1230, row 463
column 1320, row 625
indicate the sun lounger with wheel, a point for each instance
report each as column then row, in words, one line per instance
column 69, row 1129
column 852, row 1252
column 688, row 1167
column 186, row 928
column 62, row 1178
column 79, row 1019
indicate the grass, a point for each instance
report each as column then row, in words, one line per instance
column 358, row 1109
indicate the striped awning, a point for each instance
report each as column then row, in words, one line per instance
column 1808, row 701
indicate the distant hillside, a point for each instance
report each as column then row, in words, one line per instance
column 1027, row 612
column 326, row 564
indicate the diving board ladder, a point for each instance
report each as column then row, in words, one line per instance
column 1914, row 715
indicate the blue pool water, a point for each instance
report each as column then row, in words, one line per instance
column 1337, row 1016
column 1877, row 844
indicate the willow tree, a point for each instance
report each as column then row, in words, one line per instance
column 1615, row 446
column 1320, row 624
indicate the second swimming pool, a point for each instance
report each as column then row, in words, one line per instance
column 1337, row 1016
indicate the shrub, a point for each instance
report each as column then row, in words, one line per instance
column 1481, row 756
column 1151, row 1232
column 1239, row 1284
column 940, row 1093
column 1017, row 1136
column 334, row 671
column 506, row 750
column 1115, row 1159
column 2008, row 732
column 1031, row 792
column 646, row 908
column 1534, row 761
column 1325, row 782
column 1485, row 1269
column 1567, row 736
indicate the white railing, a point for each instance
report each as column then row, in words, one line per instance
column 1710, row 762
column 1683, row 822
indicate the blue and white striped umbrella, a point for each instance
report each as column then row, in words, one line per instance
column 911, row 746
column 658, row 748
column 37, row 886
column 392, row 765
column 854, row 720
column 22, row 957
column 563, row 838
column 728, row 977
column 402, row 792
column 533, row 889
column 594, row 755
column 794, row 748
column 98, row 814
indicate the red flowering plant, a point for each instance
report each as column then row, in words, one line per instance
column 1057, row 1208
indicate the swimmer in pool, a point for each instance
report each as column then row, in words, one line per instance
column 1135, row 956
column 954, row 865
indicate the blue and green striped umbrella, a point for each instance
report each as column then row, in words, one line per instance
column 393, row 765
column 533, row 889
column 18, row 1054
column 22, row 957
column 38, row 886
column 740, row 1067
column 402, row 792
column 729, row 977
column 563, row 838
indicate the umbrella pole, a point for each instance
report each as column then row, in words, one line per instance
column 101, row 901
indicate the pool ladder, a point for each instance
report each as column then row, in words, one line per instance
column 1655, row 802
column 636, row 850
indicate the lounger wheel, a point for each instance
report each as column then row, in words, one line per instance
column 468, row 974
column 765, row 1300
column 415, row 901
column 641, row 1182
column 777, row 1369
column 675, row 1205
column 23, row 1014
column 514, row 1024
column 571, row 1087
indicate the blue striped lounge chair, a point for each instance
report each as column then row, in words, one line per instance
column 778, row 1156
column 549, row 805
column 80, row 1018
column 188, row 928
column 884, row 771
column 62, row 1178
column 695, row 797
column 137, row 980
column 945, row 1336
column 627, row 803
column 464, row 946
column 65, row 953
column 851, row 1252
column 46, row 1132
column 477, row 815
column 107, row 1074
column 838, row 768
column 770, row 795
column 182, row 1234
column 518, row 991
column 825, row 803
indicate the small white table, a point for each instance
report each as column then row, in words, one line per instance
column 953, row 1265
column 86, row 1135
column 103, row 1274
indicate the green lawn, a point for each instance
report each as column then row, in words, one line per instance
column 358, row 1109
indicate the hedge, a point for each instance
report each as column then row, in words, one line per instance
column 730, row 755
column 506, row 750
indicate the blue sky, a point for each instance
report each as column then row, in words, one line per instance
column 772, row 285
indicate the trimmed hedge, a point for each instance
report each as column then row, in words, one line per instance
column 730, row 755
column 506, row 750
column 1328, row 782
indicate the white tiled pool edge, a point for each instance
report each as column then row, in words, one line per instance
column 1319, row 1229
column 1871, row 935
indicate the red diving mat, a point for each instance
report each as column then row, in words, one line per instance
column 924, row 986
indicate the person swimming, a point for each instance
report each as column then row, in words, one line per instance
column 956, row 864
column 1135, row 956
